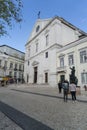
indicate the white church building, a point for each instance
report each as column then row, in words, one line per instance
column 44, row 47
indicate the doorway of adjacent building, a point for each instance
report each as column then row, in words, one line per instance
column 46, row 77
column 27, row 78
column 62, row 78
column 35, row 74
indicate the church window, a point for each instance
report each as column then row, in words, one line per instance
column 29, row 50
column 36, row 47
column 46, row 54
column 37, row 28
column 28, row 62
column 47, row 40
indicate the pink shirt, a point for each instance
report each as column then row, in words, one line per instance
column 72, row 87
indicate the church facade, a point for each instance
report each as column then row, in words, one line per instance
column 48, row 37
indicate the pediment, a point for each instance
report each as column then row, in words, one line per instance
column 39, row 25
column 35, row 63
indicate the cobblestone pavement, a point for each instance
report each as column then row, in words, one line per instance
column 7, row 124
column 51, row 111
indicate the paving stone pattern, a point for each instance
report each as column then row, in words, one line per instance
column 7, row 124
column 49, row 110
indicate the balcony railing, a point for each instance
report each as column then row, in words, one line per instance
column 20, row 70
column 15, row 69
column 61, row 69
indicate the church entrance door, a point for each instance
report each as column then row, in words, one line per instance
column 35, row 74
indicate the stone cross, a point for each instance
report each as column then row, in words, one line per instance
column 39, row 15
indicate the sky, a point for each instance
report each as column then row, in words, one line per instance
column 74, row 11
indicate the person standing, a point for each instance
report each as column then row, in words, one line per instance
column 60, row 86
column 65, row 86
column 72, row 88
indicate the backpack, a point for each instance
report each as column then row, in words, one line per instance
column 65, row 86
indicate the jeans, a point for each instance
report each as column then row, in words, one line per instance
column 65, row 95
column 73, row 94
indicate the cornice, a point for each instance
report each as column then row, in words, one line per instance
column 55, row 45
column 11, row 48
column 73, row 44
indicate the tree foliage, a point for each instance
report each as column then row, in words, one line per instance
column 9, row 10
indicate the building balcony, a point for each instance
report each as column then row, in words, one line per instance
column 20, row 70
column 61, row 69
column 15, row 69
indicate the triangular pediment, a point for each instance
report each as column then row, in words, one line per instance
column 42, row 24
column 39, row 25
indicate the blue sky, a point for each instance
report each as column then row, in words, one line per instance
column 74, row 11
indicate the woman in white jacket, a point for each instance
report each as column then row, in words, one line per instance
column 72, row 88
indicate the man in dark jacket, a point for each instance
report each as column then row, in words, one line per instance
column 65, row 86
column 60, row 86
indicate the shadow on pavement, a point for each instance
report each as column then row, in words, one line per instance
column 41, row 94
column 21, row 119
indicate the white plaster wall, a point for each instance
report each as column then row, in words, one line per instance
column 45, row 65
column 68, row 35
column 80, row 67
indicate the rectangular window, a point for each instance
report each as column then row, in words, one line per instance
column 46, row 77
column 71, row 59
column 46, row 54
column 11, row 65
column 61, row 61
column 36, row 47
column 10, row 73
column 20, row 67
column 47, row 40
column 15, row 66
column 23, row 67
column 5, row 65
column 29, row 51
column 28, row 62
column 83, row 56
column 84, row 78
column 0, row 62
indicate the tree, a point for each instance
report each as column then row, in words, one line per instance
column 9, row 10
